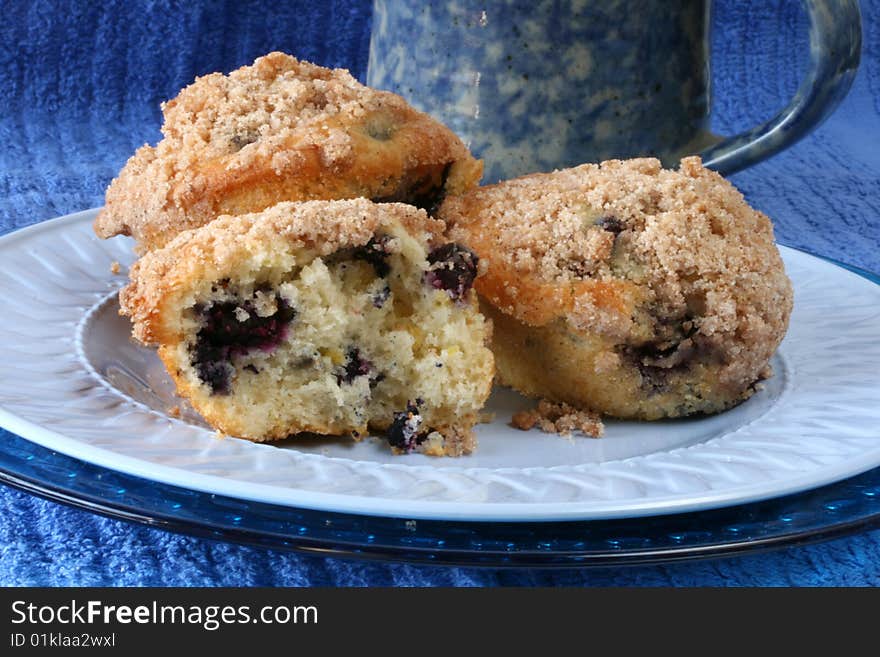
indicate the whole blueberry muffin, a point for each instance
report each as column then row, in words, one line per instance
column 626, row 288
column 280, row 130
column 332, row 317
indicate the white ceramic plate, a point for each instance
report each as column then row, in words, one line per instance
column 71, row 380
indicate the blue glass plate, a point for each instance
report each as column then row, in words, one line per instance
column 831, row 511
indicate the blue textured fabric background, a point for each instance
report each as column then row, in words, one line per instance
column 80, row 86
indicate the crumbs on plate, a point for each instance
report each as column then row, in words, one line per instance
column 560, row 418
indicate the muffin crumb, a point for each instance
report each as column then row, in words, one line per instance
column 559, row 418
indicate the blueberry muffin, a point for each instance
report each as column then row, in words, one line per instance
column 625, row 288
column 331, row 317
column 280, row 130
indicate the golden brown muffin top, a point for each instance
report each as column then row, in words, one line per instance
column 252, row 112
column 280, row 129
column 597, row 243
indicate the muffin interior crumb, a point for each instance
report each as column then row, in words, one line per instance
column 270, row 332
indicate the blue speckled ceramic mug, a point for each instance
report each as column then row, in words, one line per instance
column 533, row 85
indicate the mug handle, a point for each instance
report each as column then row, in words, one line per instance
column 835, row 46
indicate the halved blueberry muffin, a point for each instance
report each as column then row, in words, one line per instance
column 626, row 288
column 332, row 317
column 280, row 130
